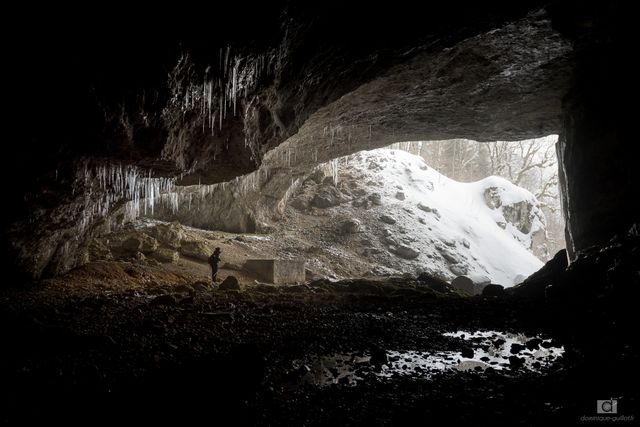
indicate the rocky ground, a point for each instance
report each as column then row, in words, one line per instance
column 140, row 334
column 174, row 349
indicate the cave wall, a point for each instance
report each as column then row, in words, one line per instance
column 599, row 175
column 299, row 86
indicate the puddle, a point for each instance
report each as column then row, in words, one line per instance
column 491, row 349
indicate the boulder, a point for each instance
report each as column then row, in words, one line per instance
column 140, row 242
column 195, row 249
column 433, row 283
column 375, row 199
column 229, row 283
column 447, row 255
column 459, row 269
column 325, row 199
column 166, row 255
column 164, row 300
column 493, row 290
column 463, row 285
column 400, row 195
column 350, row 226
column 170, row 235
column 378, row 356
column 406, row 252
column 387, row 219
column 467, row 352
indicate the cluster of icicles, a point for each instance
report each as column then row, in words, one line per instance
column 220, row 92
column 140, row 194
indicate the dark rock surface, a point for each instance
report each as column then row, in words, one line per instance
column 534, row 286
column 233, row 353
column 493, row 290
column 230, row 283
column 301, row 97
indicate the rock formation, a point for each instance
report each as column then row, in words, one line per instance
column 216, row 133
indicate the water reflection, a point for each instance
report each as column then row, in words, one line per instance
column 481, row 350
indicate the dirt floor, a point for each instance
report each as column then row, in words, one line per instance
column 118, row 342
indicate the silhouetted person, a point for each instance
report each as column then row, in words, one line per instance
column 214, row 259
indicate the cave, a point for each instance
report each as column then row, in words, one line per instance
column 357, row 283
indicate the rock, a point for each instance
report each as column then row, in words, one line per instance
column 406, row 252
column 166, row 255
column 164, row 300
column 479, row 282
column 534, row 286
column 520, row 215
column 516, row 348
column 493, row 290
column 201, row 286
column 433, row 283
column 325, row 199
column 426, row 208
column 533, row 344
column 467, row 352
column 378, row 356
column 492, row 197
column 350, row 226
column 400, row 195
column 458, row 269
column 170, row 235
column 463, row 285
column 447, row 255
column 140, row 242
column 317, row 176
column 516, row 362
column 229, row 283
column 195, row 249
column 387, row 219
column 375, row 199
column 99, row 251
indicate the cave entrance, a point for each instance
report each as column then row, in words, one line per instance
column 488, row 211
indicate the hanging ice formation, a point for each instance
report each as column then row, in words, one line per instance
column 333, row 167
column 218, row 93
column 110, row 186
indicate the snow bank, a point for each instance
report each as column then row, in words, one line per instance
column 474, row 229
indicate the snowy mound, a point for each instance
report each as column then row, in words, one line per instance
column 410, row 218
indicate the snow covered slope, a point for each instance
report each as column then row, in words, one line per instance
column 404, row 216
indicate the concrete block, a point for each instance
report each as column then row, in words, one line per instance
column 277, row 271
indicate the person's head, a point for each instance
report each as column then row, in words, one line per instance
column 216, row 251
